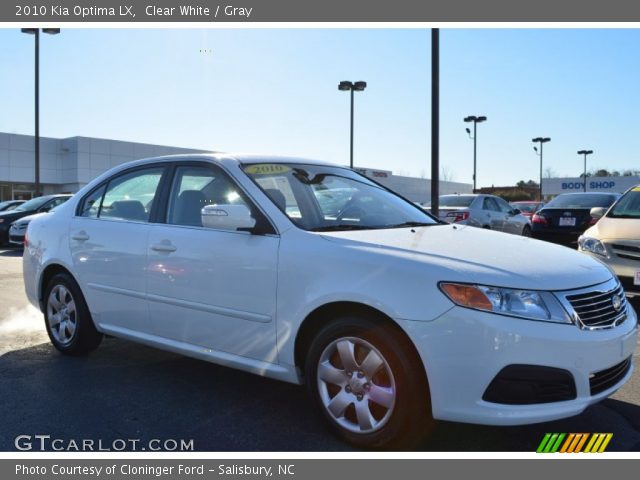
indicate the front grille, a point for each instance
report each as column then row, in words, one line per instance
column 605, row 379
column 596, row 309
column 626, row 251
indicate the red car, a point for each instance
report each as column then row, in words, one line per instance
column 527, row 208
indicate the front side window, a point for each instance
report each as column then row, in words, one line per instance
column 503, row 205
column 54, row 203
column 196, row 187
column 322, row 198
column 490, row 204
column 130, row 196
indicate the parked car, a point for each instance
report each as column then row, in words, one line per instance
column 527, row 208
column 615, row 239
column 389, row 316
column 18, row 229
column 567, row 216
column 35, row 205
column 10, row 205
column 484, row 211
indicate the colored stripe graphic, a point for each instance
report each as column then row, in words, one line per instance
column 551, row 442
column 574, row 442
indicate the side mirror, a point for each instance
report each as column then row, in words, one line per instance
column 598, row 212
column 227, row 217
column 516, row 211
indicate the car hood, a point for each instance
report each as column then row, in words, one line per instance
column 474, row 255
column 615, row 229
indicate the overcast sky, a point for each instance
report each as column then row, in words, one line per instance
column 275, row 91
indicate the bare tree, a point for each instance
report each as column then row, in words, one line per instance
column 446, row 174
column 549, row 173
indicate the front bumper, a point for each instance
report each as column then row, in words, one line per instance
column 464, row 350
column 16, row 236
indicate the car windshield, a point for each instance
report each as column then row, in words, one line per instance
column 526, row 207
column 456, row 200
column 582, row 200
column 325, row 198
column 628, row 206
column 33, row 204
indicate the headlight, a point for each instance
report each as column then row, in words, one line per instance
column 593, row 245
column 529, row 304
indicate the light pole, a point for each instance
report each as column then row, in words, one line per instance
column 476, row 121
column 36, row 33
column 358, row 86
column 584, row 180
column 541, row 141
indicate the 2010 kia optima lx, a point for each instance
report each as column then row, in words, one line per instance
column 310, row 273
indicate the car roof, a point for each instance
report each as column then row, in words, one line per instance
column 239, row 158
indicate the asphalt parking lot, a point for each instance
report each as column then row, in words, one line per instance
column 128, row 391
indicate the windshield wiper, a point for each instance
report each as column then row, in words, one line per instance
column 411, row 224
column 339, row 227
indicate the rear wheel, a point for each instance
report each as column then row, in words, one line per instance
column 67, row 318
column 366, row 380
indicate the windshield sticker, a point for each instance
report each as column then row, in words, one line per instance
column 266, row 169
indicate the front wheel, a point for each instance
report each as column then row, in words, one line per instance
column 67, row 318
column 526, row 231
column 367, row 382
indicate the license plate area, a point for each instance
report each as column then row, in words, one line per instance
column 567, row 222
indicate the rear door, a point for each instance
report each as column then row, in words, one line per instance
column 212, row 288
column 493, row 216
column 108, row 242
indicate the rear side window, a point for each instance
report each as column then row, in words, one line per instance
column 91, row 204
column 128, row 197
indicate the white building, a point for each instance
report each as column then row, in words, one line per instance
column 67, row 164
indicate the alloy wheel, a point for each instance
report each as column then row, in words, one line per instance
column 356, row 385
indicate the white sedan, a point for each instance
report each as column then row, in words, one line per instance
column 310, row 273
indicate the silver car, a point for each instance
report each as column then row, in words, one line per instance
column 484, row 211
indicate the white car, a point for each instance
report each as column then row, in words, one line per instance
column 391, row 317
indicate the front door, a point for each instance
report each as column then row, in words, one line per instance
column 211, row 288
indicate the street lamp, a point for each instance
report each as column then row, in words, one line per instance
column 585, row 153
column 36, row 33
column 358, row 86
column 541, row 141
column 476, row 121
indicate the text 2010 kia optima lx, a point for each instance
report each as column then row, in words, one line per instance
column 311, row 273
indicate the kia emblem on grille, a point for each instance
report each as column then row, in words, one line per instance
column 617, row 302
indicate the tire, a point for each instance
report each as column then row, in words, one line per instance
column 74, row 333
column 403, row 415
column 526, row 231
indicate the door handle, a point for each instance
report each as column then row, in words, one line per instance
column 165, row 247
column 81, row 236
